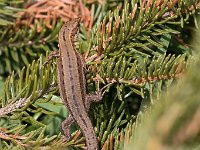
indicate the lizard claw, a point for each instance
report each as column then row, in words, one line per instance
column 65, row 138
column 103, row 89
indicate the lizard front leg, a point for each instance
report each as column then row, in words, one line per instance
column 51, row 56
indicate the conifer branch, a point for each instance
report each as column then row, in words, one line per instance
column 131, row 48
column 8, row 12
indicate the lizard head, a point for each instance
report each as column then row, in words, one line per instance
column 75, row 25
column 70, row 28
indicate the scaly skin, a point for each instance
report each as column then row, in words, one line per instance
column 71, row 81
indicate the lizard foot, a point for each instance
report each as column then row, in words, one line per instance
column 65, row 139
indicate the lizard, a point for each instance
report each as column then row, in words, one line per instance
column 72, row 86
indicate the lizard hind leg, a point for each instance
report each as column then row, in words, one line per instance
column 65, row 127
column 95, row 97
column 92, row 98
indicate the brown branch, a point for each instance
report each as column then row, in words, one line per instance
column 51, row 10
column 13, row 107
column 139, row 81
column 11, row 137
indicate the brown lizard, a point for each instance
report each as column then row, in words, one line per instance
column 72, row 88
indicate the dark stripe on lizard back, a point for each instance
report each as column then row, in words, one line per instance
column 72, row 81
